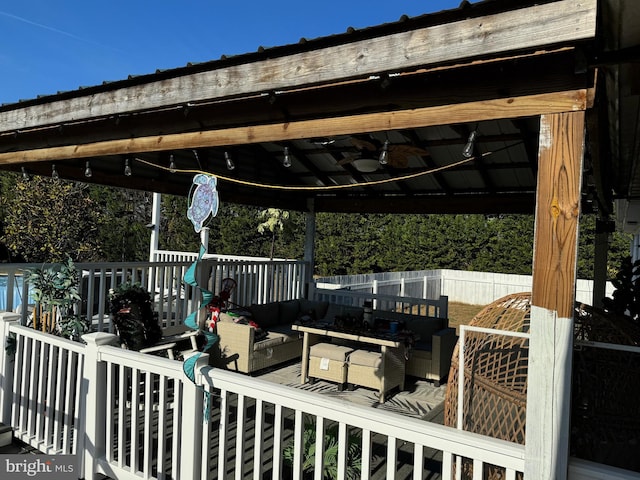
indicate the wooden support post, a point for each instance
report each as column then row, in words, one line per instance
column 309, row 247
column 600, row 251
column 553, row 295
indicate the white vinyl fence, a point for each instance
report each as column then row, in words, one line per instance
column 474, row 288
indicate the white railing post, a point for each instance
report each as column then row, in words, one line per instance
column 6, row 366
column 204, row 239
column 191, row 428
column 154, row 241
column 94, row 391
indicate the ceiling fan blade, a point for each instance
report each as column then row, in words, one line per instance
column 399, row 154
column 361, row 144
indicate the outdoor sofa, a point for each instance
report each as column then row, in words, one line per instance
column 261, row 336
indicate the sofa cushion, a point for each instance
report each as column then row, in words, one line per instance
column 289, row 311
column 418, row 354
column 425, row 327
column 331, row 351
column 269, row 342
column 335, row 309
column 365, row 358
column 424, row 346
column 284, row 329
column 318, row 307
column 266, row 315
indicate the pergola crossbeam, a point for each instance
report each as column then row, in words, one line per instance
column 511, row 107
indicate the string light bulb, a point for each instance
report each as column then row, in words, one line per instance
column 467, row 151
column 229, row 161
column 54, row 172
column 286, row 162
column 172, row 164
column 25, row 175
column 384, row 154
column 127, row 168
column 87, row 170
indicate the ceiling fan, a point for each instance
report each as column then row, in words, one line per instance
column 397, row 154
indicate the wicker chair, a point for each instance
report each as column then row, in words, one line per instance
column 495, row 376
column 605, row 410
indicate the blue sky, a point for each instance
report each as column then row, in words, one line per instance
column 49, row 46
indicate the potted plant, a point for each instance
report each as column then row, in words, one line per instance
column 55, row 290
column 330, row 460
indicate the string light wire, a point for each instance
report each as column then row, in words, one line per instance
column 332, row 187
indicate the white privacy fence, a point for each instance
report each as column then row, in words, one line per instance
column 475, row 288
column 131, row 415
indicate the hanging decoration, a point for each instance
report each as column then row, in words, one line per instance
column 203, row 200
column 192, row 320
column 203, row 203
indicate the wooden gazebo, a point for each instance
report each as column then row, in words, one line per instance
column 502, row 106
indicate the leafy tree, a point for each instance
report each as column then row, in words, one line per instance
column 274, row 219
column 176, row 230
column 47, row 220
column 124, row 215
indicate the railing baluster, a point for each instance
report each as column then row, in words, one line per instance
column 392, row 455
column 148, row 423
column 222, row 433
column 33, row 382
column 320, row 446
column 277, row 443
column 178, row 418
column 477, row 469
column 365, row 473
column 162, row 423
column 61, row 385
column 135, row 419
column 298, row 442
column 447, row 465
column 52, row 380
column 42, row 393
column 258, row 446
column 122, row 414
column 240, row 430
column 79, row 418
column 418, row 461
column 110, row 412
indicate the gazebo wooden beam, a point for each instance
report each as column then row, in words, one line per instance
column 527, row 29
column 511, row 107
column 561, row 149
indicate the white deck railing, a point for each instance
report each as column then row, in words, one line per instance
column 424, row 307
column 131, row 415
column 257, row 282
